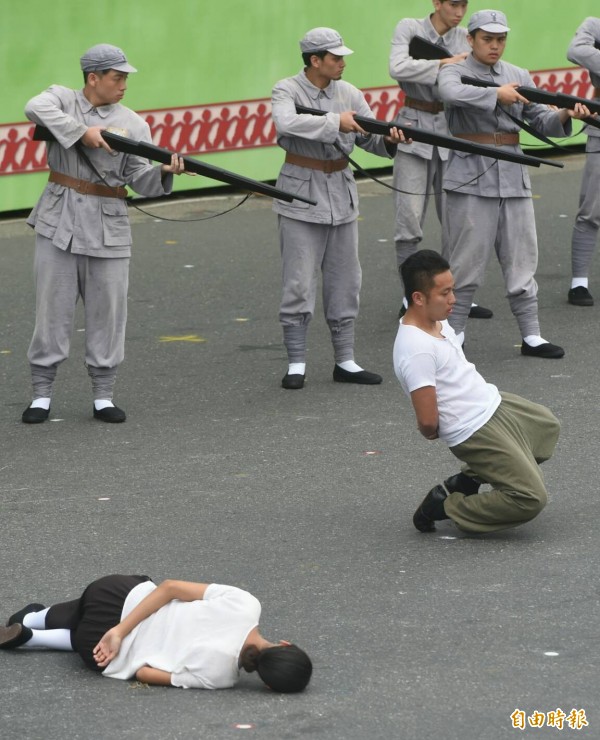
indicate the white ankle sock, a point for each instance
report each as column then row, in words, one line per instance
column 40, row 403
column 576, row 282
column 297, row 368
column 36, row 620
column 102, row 403
column 53, row 639
column 350, row 366
column 534, row 340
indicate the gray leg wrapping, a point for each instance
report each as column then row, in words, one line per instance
column 342, row 339
column 583, row 244
column 42, row 380
column 103, row 381
column 294, row 339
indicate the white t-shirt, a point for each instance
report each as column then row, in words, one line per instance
column 465, row 401
column 197, row 642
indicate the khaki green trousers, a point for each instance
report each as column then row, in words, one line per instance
column 506, row 453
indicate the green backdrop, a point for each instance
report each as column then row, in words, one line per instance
column 194, row 52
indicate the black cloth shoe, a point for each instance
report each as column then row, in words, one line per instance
column 17, row 617
column 462, row 483
column 547, row 350
column 430, row 510
column 479, row 312
column 580, row 296
column 293, row 382
column 363, row 377
column 402, row 311
column 111, row 414
column 34, row 416
column 13, row 636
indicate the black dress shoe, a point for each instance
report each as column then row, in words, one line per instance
column 293, row 382
column 34, row 416
column 479, row 312
column 580, row 296
column 430, row 510
column 546, row 350
column 462, row 483
column 17, row 617
column 13, row 636
column 402, row 311
column 111, row 414
column 363, row 377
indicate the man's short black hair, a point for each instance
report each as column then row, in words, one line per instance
column 98, row 72
column 419, row 271
column 308, row 54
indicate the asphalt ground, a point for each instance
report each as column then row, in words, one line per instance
column 304, row 498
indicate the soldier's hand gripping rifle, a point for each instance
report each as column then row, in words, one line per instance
column 537, row 95
column 375, row 126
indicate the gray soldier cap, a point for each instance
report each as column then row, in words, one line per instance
column 324, row 39
column 105, row 56
column 492, row 21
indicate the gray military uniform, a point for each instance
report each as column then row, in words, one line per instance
column 489, row 201
column 324, row 236
column 83, row 242
column 419, row 169
column 582, row 51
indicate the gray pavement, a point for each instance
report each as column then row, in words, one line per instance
column 304, row 498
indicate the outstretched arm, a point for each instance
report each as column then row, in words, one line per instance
column 110, row 644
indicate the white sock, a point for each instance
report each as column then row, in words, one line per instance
column 534, row 340
column 40, row 403
column 405, row 302
column 36, row 620
column 473, row 304
column 53, row 639
column 576, row 282
column 297, row 368
column 102, row 403
column 350, row 366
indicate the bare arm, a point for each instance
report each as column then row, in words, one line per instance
column 424, row 401
column 153, row 676
column 110, row 644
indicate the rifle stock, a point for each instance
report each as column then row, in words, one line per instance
column 420, row 48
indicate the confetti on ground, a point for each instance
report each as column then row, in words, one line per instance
column 537, row 197
column 372, row 452
column 446, row 537
column 56, row 419
column 170, row 241
column 185, row 338
column 104, row 498
column 241, row 319
column 563, row 215
column 189, row 267
column 382, row 241
column 243, row 726
column 5, row 351
column 551, row 654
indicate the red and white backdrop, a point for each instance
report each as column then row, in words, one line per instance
column 247, row 124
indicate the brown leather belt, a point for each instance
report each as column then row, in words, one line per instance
column 498, row 138
column 323, row 165
column 87, row 188
column 433, row 106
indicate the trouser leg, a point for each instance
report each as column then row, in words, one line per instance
column 472, row 224
column 587, row 221
column 57, row 291
column 342, row 277
column 413, row 175
column 517, row 251
column 505, row 453
column 302, row 247
column 104, row 285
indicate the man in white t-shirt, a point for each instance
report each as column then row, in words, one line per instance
column 502, row 438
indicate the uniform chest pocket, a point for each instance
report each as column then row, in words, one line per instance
column 115, row 224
